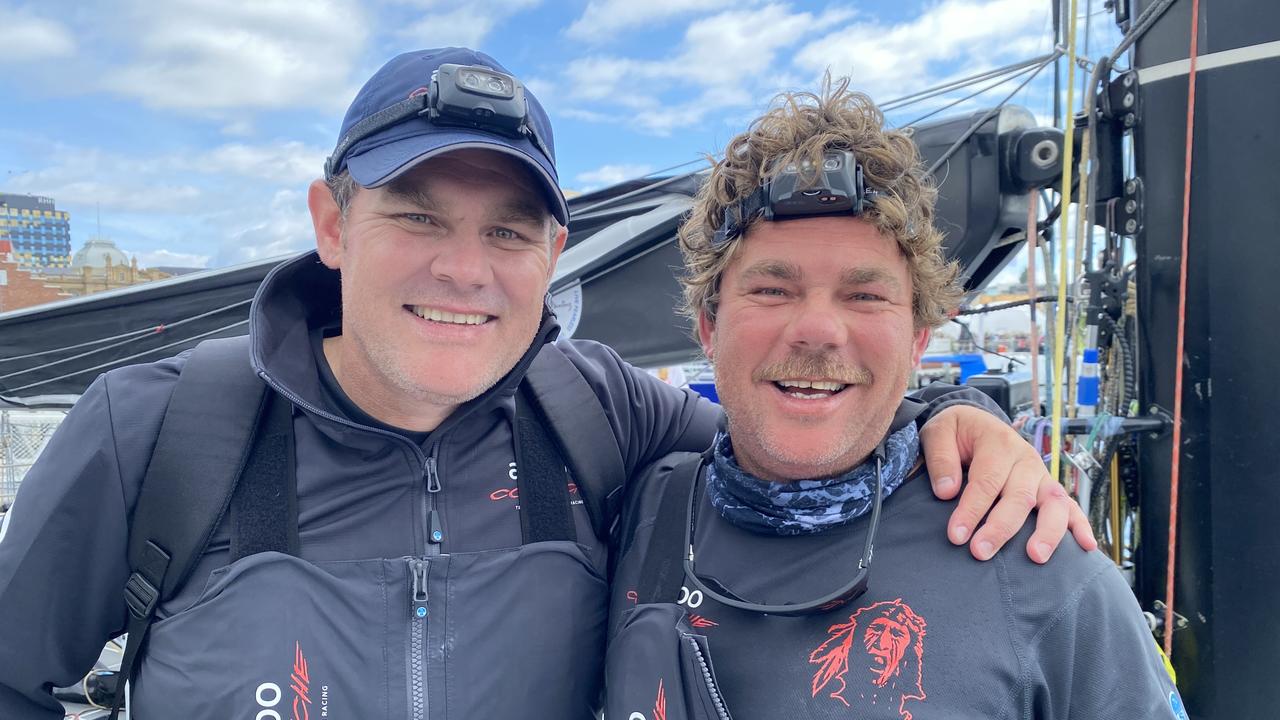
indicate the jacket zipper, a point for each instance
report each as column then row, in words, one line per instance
column 418, row 639
column 717, row 700
column 431, row 520
column 434, row 528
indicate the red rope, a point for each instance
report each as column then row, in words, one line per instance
column 1175, row 464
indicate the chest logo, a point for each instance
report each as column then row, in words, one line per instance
column 883, row 645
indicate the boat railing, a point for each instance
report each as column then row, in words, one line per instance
column 23, row 436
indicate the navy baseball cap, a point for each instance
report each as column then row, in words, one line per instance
column 381, row 157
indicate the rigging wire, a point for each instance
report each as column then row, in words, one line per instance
column 77, row 346
column 128, row 338
column 132, row 357
column 905, row 100
column 1055, row 460
column 964, row 137
column 968, row 331
column 660, row 182
column 1175, row 461
column 970, row 96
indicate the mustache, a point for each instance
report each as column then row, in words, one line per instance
column 801, row 364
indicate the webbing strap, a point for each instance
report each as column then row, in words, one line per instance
column 662, row 573
column 264, row 508
column 199, row 454
column 582, row 433
column 541, row 478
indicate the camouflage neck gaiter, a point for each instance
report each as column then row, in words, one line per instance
column 801, row 507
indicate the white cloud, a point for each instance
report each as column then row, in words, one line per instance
column 286, row 163
column 27, row 38
column 202, row 56
column 169, row 258
column 92, row 177
column 171, row 182
column 721, row 59
column 238, row 128
column 892, row 60
column 606, row 175
column 467, row 25
column 602, row 19
column 281, row 228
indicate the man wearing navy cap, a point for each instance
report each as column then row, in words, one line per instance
column 402, row 542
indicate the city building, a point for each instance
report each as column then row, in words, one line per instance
column 40, row 233
column 18, row 288
column 96, row 267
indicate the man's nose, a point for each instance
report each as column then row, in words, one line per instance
column 464, row 261
column 818, row 324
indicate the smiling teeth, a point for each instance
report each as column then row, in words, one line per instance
column 447, row 317
column 815, row 384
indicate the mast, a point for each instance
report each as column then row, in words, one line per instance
column 1227, row 569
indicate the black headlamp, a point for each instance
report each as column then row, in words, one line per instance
column 800, row 190
column 470, row 96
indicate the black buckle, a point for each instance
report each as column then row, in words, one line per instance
column 141, row 596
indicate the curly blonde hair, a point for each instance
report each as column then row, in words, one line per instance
column 801, row 126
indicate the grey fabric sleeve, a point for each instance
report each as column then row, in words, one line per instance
column 63, row 553
column 941, row 396
column 1096, row 658
column 649, row 417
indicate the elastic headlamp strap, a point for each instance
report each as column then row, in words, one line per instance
column 416, row 106
column 377, row 122
column 741, row 214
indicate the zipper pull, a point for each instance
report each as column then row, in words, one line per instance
column 433, row 478
column 435, row 533
column 418, row 569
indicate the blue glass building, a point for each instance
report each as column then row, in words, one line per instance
column 40, row 233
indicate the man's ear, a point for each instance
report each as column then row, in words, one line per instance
column 557, row 247
column 919, row 345
column 327, row 221
column 706, row 332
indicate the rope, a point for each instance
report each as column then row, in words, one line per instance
column 1033, row 239
column 1005, row 306
column 1055, row 467
column 1116, row 544
column 1175, row 462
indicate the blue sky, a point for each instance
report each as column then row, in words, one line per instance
column 196, row 125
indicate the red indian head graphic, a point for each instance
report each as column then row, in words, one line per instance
column 888, row 662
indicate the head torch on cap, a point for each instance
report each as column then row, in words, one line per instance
column 800, row 190
column 470, row 96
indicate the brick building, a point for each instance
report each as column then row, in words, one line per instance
column 18, row 289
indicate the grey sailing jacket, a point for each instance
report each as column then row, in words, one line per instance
column 370, row 620
column 936, row 635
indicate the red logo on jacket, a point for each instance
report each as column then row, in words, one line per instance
column 300, row 683
column 889, row 664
